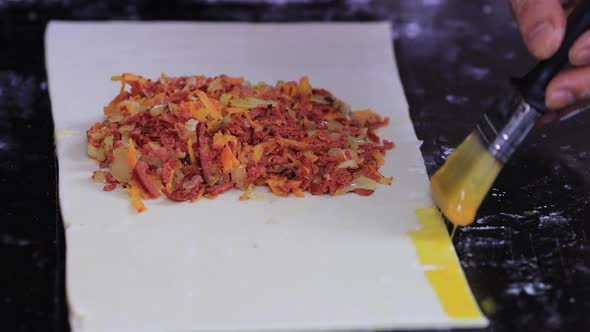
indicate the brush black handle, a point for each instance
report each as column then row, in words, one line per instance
column 532, row 86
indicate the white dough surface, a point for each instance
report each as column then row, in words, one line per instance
column 278, row 264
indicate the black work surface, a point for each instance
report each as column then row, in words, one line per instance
column 527, row 258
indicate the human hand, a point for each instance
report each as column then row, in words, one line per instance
column 542, row 25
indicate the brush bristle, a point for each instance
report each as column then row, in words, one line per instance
column 462, row 183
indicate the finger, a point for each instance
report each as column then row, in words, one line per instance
column 568, row 88
column 564, row 114
column 580, row 52
column 541, row 23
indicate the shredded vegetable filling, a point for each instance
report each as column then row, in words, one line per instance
column 193, row 137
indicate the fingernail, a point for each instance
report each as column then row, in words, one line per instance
column 540, row 34
column 582, row 57
column 560, row 99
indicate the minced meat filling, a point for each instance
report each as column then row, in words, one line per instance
column 195, row 136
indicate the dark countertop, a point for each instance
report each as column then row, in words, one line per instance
column 527, row 258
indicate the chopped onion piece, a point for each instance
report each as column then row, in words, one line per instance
column 343, row 107
column 96, row 153
column 157, row 110
column 99, row 176
column 224, row 99
column 250, row 194
column 191, row 81
column 152, row 161
column 108, row 141
column 319, row 100
column 337, row 153
column 196, row 180
column 130, row 106
column 154, row 146
column 126, row 129
column 120, row 167
column 258, row 151
column 214, row 86
column 97, row 135
column 334, row 136
column 191, row 124
column 348, row 164
column 334, row 124
column 362, row 182
column 251, row 102
column 311, row 156
column 226, row 121
column 116, row 117
column 352, row 153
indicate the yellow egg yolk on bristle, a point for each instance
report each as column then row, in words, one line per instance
column 461, row 184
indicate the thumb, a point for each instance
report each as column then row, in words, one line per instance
column 541, row 23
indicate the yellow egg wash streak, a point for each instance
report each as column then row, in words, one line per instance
column 435, row 251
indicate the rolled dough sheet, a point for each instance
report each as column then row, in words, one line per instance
column 318, row 263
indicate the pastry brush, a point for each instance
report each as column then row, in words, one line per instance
column 461, row 184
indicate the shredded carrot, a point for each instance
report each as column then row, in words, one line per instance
column 127, row 77
column 220, row 139
column 378, row 157
column 333, row 116
column 235, row 110
column 208, row 104
column 295, row 144
column 135, row 196
column 218, row 106
column 199, row 113
column 199, row 195
column 366, row 116
column 290, row 89
column 228, row 160
column 132, row 155
column 298, row 192
column 169, row 183
column 276, row 186
column 250, row 121
column 291, row 157
column 191, row 151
